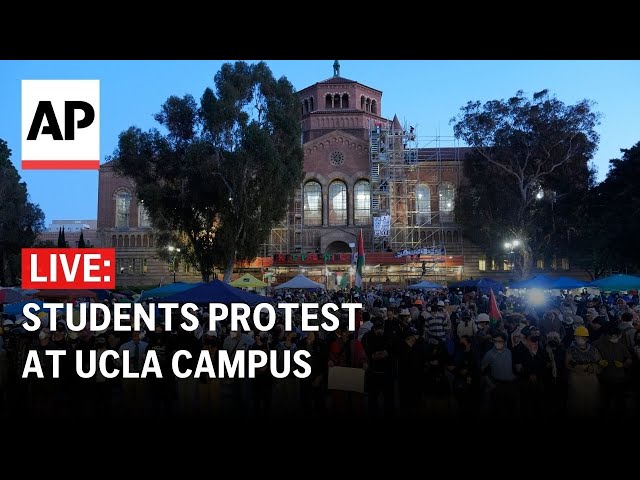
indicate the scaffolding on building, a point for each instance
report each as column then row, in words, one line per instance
column 411, row 196
column 286, row 236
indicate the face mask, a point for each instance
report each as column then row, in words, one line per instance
column 43, row 335
column 614, row 339
column 581, row 342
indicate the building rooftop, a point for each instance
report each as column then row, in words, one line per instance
column 337, row 80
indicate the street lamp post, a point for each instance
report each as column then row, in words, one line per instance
column 174, row 253
column 510, row 246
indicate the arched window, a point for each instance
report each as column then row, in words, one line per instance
column 123, row 205
column 114, row 241
column 126, row 240
column 367, row 105
column 447, row 198
column 139, row 241
column 311, row 104
column 336, row 101
column 345, row 100
column 312, row 203
column 362, row 102
column 306, row 106
column 337, row 203
column 374, row 107
column 423, row 204
column 328, row 101
column 143, row 216
column 362, row 204
column 120, row 241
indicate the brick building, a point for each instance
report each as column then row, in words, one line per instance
column 362, row 171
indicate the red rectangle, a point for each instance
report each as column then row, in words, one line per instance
column 65, row 268
column 60, row 164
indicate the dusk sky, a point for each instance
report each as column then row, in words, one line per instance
column 425, row 94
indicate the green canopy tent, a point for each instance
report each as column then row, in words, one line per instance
column 248, row 281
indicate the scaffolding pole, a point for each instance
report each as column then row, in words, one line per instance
column 413, row 183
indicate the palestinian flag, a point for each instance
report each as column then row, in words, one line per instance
column 360, row 262
column 494, row 312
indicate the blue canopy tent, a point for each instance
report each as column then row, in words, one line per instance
column 482, row 284
column 539, row 281
column 102, row 295
column 169, row 289
column 614, row 283
column 425, row 285
column 216, row 292
column 16, row 308
column 567, row 283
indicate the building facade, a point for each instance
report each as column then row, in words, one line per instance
column 72, row 230
column 362, row 172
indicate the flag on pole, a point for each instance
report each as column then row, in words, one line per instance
column 494, row 312
column 360, row 262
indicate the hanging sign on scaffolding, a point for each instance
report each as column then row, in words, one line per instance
column 421, row 251
column 381, row 226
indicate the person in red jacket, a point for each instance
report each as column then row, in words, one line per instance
column 346, row 351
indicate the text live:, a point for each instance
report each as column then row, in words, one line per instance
column 64, row 268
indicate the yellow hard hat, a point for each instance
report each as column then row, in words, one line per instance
column 581, row 331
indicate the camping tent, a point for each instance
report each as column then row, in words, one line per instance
column 216, row 292
column 425, row 285
column 169, row 289
column 567, row 283
column 539, row 281
column 248, row 281
column 16, row 308
column 301, row 282
column 482, row 284
column 618, row 282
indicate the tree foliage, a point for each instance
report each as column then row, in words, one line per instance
column 608, row 237
column 20, row 220
column 223, row 170
column 527, row 175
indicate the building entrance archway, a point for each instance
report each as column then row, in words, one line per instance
column 338, row 247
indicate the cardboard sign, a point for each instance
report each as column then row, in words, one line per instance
column 347, row 379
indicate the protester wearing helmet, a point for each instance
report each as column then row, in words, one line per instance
column 582, row 363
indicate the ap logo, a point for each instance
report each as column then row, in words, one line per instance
column 60, row 124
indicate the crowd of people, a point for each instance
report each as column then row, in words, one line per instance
column 423, row 353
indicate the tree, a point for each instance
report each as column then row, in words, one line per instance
column 81, row 243
column 224, row 171
column 62, row 241
column 527, row 175
column 608, row 239
column 20, row 220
